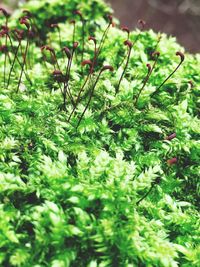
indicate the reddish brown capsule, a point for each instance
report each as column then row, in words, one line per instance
column 42, row 48
column 28, row 13
column 191, row 84
column 78, row 12
column 142, row 23
column 24, row 18
column 24, row 21
column 5, row 13
column 50, row 49
column 128, row 43
column 57, row 73
column 149, row 67
column 91, row 38
column 110, row 18
column 125, row 29
column 58, row 76
column 67, row 52
column 86, row 62
column 155, row 54
column 170, row 137
column 172, row 161
column 107, row 67
column 75, row 45
column 72, row 21
column 181, row 55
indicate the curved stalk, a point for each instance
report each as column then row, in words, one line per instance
column 129, row 45
column 5, row 29
column 95, row 53
column 13, row 63
column 92, row 92
column 150, row 70
column 83, row 21
column 156, row 182
column 148, row 192
column 86, row 62
column 182, row 57
column 104, row 36
column 66, row 85
column 23, row 64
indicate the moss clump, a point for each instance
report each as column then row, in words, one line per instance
column 118, row 187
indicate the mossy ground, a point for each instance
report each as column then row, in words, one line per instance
column 101, row 194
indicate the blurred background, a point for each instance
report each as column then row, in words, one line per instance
column 180, row 18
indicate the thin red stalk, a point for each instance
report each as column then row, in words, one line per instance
column 157, row 43
column 58, row 29
column 59, row 37
column 83, row 40
column 88, row 62
column 147, row 193
column 144, row 83
column 92, row 92
column 83, row 21
column 104, row 36
column 4, row 71
column 95, row 53
column 65, row 90
column 55, row 59
column 57, row 74
column 67, row 76
column 9, row 59
column 142, row 23
column 5, row 59
column 154, row 183
column 44, row 57
column 30, row 50
column 74, row 35
column 23, row 64
column 53, row 56
column 150, row 70
column 182, row 57
column 32, row 20
column 5, row 56
column 5, row 14
column 125, row 29
column 66, row 85
column 74, row 30
column 130, row 45
column 13, row 63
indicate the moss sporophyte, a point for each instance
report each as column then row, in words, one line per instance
column 63, row 80
column 99, row 140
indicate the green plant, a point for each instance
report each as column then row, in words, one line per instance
column 87, row 178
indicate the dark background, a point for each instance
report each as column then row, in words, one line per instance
column 180, row 18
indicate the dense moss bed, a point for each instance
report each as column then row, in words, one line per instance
column 99, row 141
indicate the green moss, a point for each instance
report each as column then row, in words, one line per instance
column 101, row 194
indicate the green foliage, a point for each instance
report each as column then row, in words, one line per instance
column 103, row 194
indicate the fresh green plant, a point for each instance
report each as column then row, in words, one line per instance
column 96, row 168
